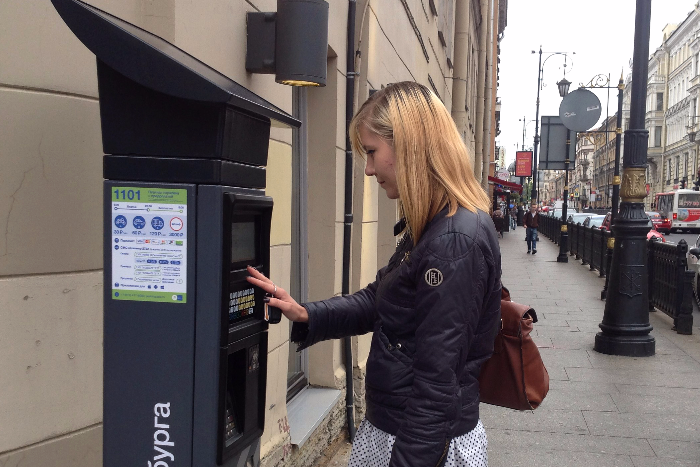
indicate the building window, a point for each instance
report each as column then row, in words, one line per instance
column 668, row 170
column 659, row 101
column 678, row 164
column 657, row 136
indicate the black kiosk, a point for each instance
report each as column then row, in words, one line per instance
column 185, row 339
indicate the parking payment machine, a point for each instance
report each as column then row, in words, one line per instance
column 185, row 211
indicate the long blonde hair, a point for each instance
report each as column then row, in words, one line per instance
column 433, row 167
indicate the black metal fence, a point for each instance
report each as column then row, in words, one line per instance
column 670, row 281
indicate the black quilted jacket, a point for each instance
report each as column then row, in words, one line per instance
column 434, row 310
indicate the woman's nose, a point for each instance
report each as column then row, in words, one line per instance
column 369, row 167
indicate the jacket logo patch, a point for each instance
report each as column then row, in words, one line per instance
column 433, row 277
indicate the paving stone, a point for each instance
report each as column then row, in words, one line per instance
column 687, row 394
column 555, row 322
column 510, row 441
column 573, row 341
column 680, row 363
column 654, row 426
column 674, row 449
column 584, row 386
column 655, row 462
column 632, row 376
column 634, row 403
column 561, row 399
column 542, row 342
column 565, row 358
column 540, row 420
column 537, row 458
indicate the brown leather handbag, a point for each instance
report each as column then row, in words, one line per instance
column 514, row 376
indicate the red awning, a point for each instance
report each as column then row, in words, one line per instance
column 506, row 184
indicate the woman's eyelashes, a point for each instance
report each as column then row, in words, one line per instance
column 370, row 152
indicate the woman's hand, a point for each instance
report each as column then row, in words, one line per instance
column 279, row 297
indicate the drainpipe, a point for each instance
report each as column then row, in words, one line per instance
column 488, row 105
column 480, row 89
column 347, row 228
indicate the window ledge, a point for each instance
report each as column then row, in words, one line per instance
column 307, row 410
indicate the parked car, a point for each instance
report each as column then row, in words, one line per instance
column 577, row 217
column 651, row 233
column 594, row 220
column 694, row 265
column 661, row 223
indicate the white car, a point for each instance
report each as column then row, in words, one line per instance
column 694, row 265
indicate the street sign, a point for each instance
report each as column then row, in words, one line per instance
column 553, row 145
column 579, row 110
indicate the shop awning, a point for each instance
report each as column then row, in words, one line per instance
column 506, row 184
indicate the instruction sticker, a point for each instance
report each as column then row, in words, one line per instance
column 149, row 244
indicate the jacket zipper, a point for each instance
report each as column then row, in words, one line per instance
column 444, row 453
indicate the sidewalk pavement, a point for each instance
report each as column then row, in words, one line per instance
column 601, row 410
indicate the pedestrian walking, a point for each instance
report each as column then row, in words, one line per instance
column 435, row 308
column 498, row 221
column 513, row 215
column 532, row 219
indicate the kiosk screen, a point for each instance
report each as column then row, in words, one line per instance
column 243, row 241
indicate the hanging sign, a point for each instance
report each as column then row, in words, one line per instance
column 523, row 164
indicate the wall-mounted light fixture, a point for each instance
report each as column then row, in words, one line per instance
column 291, row 43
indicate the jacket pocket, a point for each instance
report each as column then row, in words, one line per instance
column 388, row 369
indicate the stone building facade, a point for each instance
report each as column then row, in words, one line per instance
column 51, row 277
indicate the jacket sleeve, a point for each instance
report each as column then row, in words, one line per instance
column 451, row 278
column 337, row 317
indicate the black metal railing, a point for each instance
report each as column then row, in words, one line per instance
column 670, row 283
column 590, row 246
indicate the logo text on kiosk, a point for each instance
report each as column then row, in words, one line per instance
column 161, row 437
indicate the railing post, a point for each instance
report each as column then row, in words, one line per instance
column 683, row 306
column 651, row 272
column 602, row 254
column 610, row 241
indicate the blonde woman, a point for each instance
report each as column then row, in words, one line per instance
column 435, row 308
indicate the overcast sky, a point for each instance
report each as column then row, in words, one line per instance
column 601, row 32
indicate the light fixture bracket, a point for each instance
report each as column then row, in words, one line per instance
column 260, row 47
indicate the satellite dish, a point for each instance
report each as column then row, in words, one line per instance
column 580, row 110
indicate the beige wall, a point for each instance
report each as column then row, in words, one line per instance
column 50, row 200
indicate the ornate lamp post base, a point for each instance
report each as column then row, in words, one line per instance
column 625, row 328
column 628, row 346
column 563, row 245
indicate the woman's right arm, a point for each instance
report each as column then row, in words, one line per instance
column 337, row 317
column 326, row 319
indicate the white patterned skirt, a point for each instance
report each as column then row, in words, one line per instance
column 372, row 448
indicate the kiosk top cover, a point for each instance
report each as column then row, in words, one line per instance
column 157, row 64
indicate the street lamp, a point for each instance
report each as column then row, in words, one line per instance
column 540, row 74
column 625, row 327
column 563, row 257
column 563, row 86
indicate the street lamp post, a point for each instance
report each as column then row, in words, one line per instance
column 563, row 257
column 601, row 81
column 625, row 328
column 540, row 71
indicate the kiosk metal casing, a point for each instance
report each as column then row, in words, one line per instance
column 185, row 342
